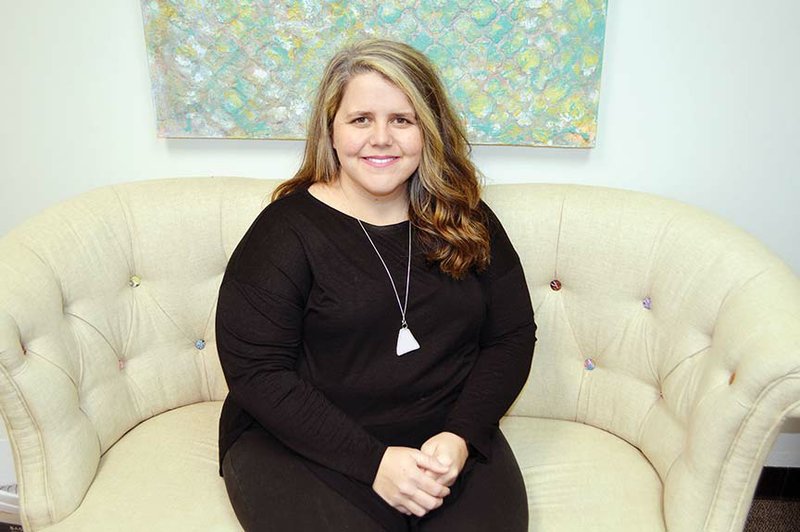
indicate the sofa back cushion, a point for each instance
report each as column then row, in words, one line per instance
column 656, row 323
column 107, row 319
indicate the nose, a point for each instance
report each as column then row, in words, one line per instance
column 381, row 135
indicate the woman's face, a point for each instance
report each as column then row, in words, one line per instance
column 376, row 137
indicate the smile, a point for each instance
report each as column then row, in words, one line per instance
column 380, row 161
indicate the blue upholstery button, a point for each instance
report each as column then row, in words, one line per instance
column 200, row 344
column 589, row 364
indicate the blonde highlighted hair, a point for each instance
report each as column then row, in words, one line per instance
column 444, row 192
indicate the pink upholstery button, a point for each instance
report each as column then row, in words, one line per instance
column 121, row 365
column 555, row 285
column 647, row 303
column 589, row 364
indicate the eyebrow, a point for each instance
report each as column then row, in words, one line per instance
column 409, row 113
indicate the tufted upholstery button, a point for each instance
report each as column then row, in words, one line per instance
column 200, row 344
column 732, row 378
column 647, row 303
column 134, row 281
column 589, row 364
column 121, row 365
column 555, row 285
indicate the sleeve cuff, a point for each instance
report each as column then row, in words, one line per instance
column 367, row 473
column 479, row 441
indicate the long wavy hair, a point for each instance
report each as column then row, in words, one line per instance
column 444, row 192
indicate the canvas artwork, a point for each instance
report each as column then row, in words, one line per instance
column 519, row 72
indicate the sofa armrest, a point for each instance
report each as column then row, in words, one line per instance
column 745, row 390
column 55, row 446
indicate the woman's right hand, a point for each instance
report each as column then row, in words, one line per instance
column 402, row 481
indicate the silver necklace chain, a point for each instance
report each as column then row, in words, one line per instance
column 404, row 305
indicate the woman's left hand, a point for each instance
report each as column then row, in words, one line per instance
column 450, row 450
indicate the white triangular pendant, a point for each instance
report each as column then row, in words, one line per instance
column 406, row 342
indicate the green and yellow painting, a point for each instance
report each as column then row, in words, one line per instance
column 519, row 72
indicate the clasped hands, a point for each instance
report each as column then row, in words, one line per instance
column 416, row 481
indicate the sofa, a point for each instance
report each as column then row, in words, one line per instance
column 668, row 357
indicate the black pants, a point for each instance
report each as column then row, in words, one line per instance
column 272, row 490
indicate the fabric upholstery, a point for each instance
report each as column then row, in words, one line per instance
column 582, row 478
column 688, row 380
column 161, row 476
column 668, row 356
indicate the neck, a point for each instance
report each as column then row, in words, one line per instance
column 371, row 209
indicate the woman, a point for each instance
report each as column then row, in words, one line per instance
column 374, row 322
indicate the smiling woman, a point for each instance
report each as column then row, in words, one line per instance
column 378, row 144
column 338, row 417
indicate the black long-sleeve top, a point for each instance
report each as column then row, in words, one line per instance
column 307, row 325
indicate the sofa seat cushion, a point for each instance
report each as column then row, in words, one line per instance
column 161, row 476
column 578, row 478
column 582, row 478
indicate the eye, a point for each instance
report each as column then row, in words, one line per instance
column 403, row 120
column 359, row 120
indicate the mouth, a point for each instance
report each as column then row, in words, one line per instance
column 380, row 160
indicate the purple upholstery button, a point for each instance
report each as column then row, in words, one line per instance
column 647, row 303
column 589, row 364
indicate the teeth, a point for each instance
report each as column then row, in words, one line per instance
column 380, row 159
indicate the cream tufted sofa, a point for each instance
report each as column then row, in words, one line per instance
column 668, row 358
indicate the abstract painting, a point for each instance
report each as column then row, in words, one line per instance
column 519, row 72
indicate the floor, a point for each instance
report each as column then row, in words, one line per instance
column 776, row 506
